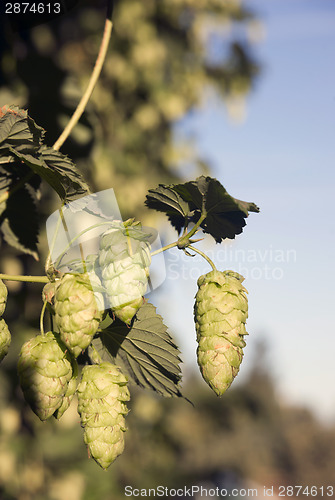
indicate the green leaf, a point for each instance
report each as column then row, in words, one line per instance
column 225, row 215
column 58, row 171
column 21, row 148
column 166, row 199
column 69, row 177
column 184, row 203
column 5, row 180
column 145, row 352
column 19, row 222
column 19, row 131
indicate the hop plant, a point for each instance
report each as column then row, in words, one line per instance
column 124, row 260
column 3, row 297
column 102, row 394
column 45, row 370
column 48, row 292
column 78, row 311
column 70, row 391
column 5, row 339
column 220, row 313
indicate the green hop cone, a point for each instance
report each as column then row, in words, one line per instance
column 124, row 260
column 102, row 394
column 3, row 297
column 5, row 339
column 45, row 370
column 78, row 311
column 70, row 391
column 220, row 313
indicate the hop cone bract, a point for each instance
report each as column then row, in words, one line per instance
column 220, row 313
column 77, row 312
column 3, row 297
column 102, row 394
column 5, row 339
column 70, row 391
column 45, row 369
column 49, row 290
column 124, row 261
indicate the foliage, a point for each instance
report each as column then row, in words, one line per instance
column 185, row 203
column 159, row 68
column 164, row 57
column 146, row 352
column 248, row 434
column 136, row 339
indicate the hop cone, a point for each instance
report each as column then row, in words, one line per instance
column 3, row 297
column 45, row 369
column 220, row 313
column 102, row 393
column 124, row 261
column 77, row 312
column 5, row 339
column 70, row 391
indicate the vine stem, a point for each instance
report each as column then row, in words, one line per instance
column 28, row 279
column 171, row 245
column 203, row 255
column 93, row 80
column 57, row 263
column 42, row 317
column 167, row 247
column 183, row 241
column 52, row 246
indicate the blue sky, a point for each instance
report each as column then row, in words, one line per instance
column 282, row 157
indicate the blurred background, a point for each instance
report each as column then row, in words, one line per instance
column 239, row 90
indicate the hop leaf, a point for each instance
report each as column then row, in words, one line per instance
column 124, row 260
column 185, row 203
column 220, row 313
column 5, row 339
column 45, row 369
column 77, row 311
column 102, row 394
column 3, row 297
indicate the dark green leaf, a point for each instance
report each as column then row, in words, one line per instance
column 21, row 151
column 225, row 215
column 19, row 131
column 69, row 177
column 145, row 352
column 19, row 223
column 58, row 171
column 5, row 180
column 166, row 199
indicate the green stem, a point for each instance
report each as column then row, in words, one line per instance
column 28, row 279
column 167, row 247
column 184, row 240
column 70, row 243
column 203, row 255
column 93, row 80
column 48, row 262
column 42, row 317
